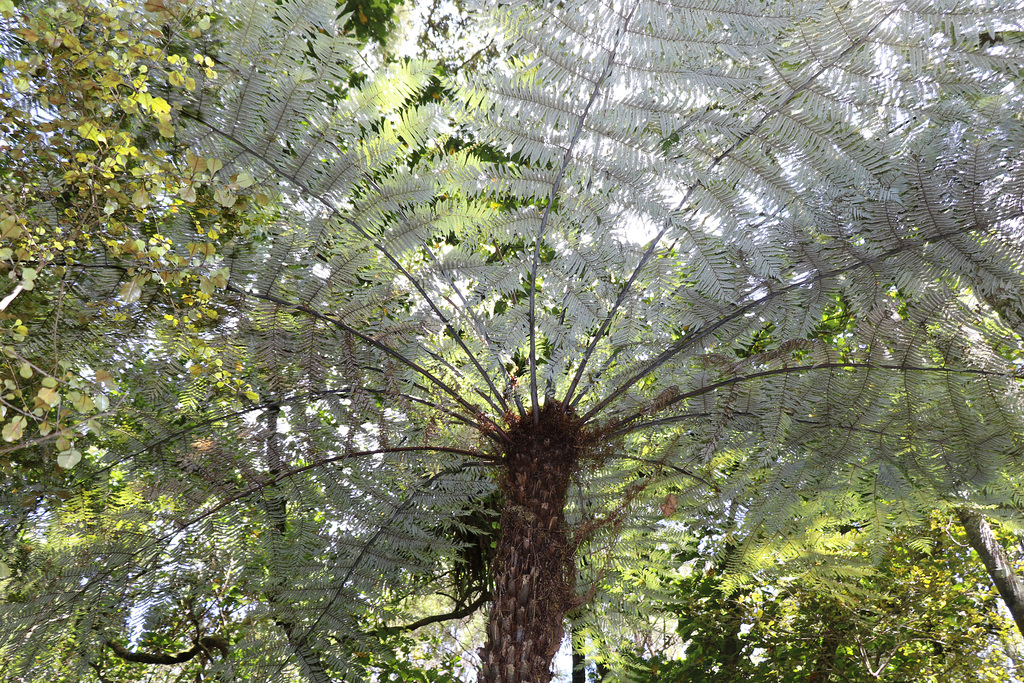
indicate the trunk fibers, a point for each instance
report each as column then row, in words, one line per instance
column 534, row 570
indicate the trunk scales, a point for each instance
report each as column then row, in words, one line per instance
column 534, row 567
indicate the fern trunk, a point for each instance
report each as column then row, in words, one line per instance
column 534, row 571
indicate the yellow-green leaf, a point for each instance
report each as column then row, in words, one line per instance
column 196, row 163
column 69, row 459
column 49, row 396
column 9, row 228
column 101, row 401
column 83, row 403
column 90, row 131
column 106, row 379
column 132, row 290
column 14, row 429
column 224, row 197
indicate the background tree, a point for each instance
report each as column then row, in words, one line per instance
column 95, row 187
column 111, row 231
column 925, row 611
column 526, row 302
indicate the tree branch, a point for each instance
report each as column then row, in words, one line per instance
column 457, row 613
column 997, row 563
column 204, row 646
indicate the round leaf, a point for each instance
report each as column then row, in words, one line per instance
column 69, row 459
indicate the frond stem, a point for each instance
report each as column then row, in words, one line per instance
column 290, row 177
column 476, row 323
column 566, row 159
column 701, row 333
column 472, row 410
column 676, row 468
column 569, row 400
column 806, row 368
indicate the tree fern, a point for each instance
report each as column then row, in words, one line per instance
column 588, row 280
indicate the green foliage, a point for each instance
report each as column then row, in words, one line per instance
column 373, row 18
column 403, row 662
column 94, row 188
column 926, row 612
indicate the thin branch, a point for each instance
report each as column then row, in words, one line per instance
column 203, row 646
column 460, row 612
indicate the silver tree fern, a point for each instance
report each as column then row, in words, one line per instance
column 595, row 275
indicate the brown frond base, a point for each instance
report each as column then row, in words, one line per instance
column 534, row 570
